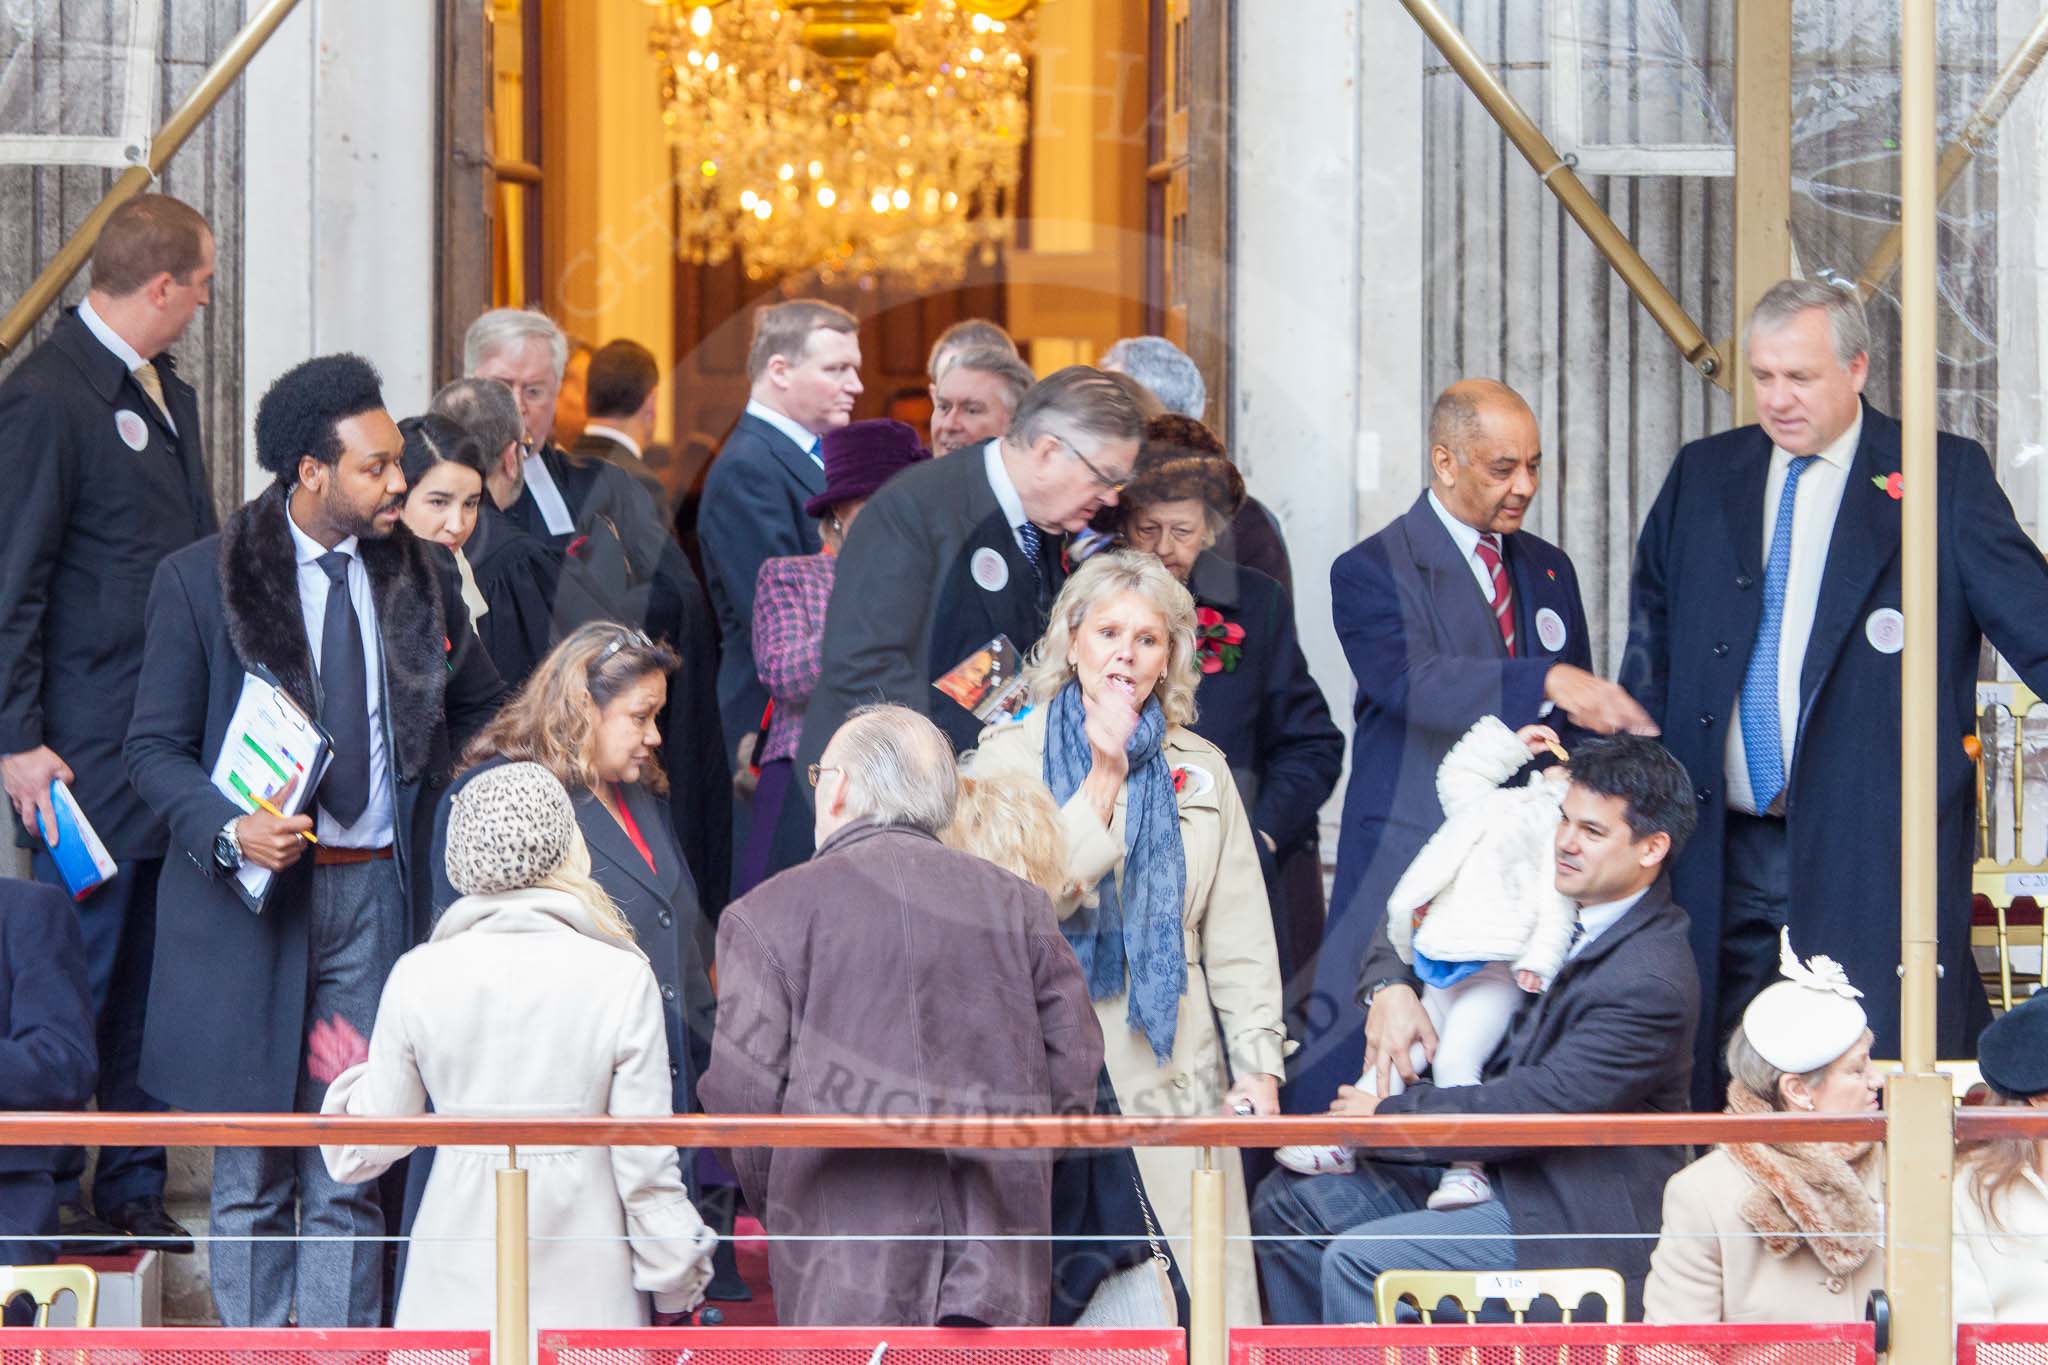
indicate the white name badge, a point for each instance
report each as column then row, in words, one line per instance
column 134, row 431
column 990, row 571
column 1550, row 630
column 1885, row 628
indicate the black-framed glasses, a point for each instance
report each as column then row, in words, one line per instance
column 1094, row 472
column 626, row 636
column 817, row 770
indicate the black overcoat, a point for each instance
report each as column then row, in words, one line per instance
column 85, row 521
column 227, row 1004
column 1694, row 604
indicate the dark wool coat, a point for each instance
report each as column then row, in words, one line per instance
column 227, row 1004
column 1612, row 1035
column 83, row 525
column 891, row 975
column 1694, row 604
column 47, row 1059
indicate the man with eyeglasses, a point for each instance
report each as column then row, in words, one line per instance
column 953, row 554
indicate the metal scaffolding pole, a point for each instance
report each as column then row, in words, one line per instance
column 1919, row 1149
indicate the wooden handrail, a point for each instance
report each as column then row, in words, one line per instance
column 1038, row 1131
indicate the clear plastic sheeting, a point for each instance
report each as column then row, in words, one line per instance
column 78, row 81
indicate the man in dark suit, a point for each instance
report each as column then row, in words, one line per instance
column 363, row 626
column 953, row 553
column 620, row 391
column 619, row 562
column 106, row 476
column 1765, row 633
column 804, row 365
column 1450, row 613
column 47, row 1059
column 1612, row 1034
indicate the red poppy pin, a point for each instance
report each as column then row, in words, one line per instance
column 448, row 653
column 1180, row 779
column 1552, row 573
column 1893, row 483
column 1219, row 644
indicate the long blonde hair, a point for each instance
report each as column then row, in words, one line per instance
column 1108, row 575
column 573, row 878
column 549, row 720
column 1009, row 819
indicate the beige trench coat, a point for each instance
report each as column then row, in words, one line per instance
column 1233, row 967
column 520, row 1007
column 2001, row 1269
column 1710, row 1265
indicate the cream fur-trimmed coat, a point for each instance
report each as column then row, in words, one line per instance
column 1233, row 976
column 520, row 1005
column 1487, row 875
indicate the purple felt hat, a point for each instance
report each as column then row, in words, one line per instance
column 862, row 456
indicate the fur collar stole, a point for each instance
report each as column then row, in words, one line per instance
column 259, row 581
column 1810, row 1194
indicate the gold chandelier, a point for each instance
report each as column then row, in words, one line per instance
column 857, row 139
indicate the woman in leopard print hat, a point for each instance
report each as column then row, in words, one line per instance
column 530, row 998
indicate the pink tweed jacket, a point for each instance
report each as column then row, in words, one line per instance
column 789, row 626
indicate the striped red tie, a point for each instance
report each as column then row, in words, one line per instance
column 1503, row 600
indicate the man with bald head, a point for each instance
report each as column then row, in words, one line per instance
column 1450, row 613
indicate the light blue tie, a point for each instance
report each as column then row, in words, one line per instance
column 1762, row 745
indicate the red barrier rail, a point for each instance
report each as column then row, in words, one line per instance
column 866, row 1346
column 1804, row 1343
column 233, row 1346
column 1979, row 1343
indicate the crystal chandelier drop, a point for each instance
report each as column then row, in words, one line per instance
column 856, row 140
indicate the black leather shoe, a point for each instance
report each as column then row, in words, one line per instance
column 84, row 1235
column 151, row 1226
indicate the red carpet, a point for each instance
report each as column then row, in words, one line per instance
column 753, row 1262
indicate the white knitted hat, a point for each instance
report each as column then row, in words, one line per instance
column 1809, row 1019
column 508, row 828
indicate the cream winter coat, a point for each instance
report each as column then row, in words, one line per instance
column 519, row 1005
column 1233, row 976
column 1487, row 876
column 2001, row 1270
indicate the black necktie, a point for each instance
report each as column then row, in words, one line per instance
column 344, row 704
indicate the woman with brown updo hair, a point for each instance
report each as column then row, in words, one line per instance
column 1257, row 702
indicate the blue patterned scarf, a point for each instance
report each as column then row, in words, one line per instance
column 1141, row 928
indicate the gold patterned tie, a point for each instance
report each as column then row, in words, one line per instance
column 153, row 385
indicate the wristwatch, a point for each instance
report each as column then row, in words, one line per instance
column 227, row 847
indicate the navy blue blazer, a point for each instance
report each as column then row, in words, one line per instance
column 1694, row 604
column 1612, row 1035
column 753, row 509
column 48, row 1059
column 86, row 520
column 1429, row 661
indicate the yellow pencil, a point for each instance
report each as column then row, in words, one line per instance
column 305, row 834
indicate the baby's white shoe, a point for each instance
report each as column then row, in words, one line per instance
column 1461, row 1188
column 1316, row 1160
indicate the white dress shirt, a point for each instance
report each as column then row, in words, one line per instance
column 373, row 828
column 1007, row 496
column 1598, row 919
column 1815, row 503
column 116, row 343
column 806, row 439
column 1466, row 538
column 612, row 433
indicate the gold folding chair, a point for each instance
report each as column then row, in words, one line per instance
column 43, row 1283
column 1518, row 1289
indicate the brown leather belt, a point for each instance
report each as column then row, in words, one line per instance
column 327, row 855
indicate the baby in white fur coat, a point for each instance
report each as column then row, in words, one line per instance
column 1479, row 917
